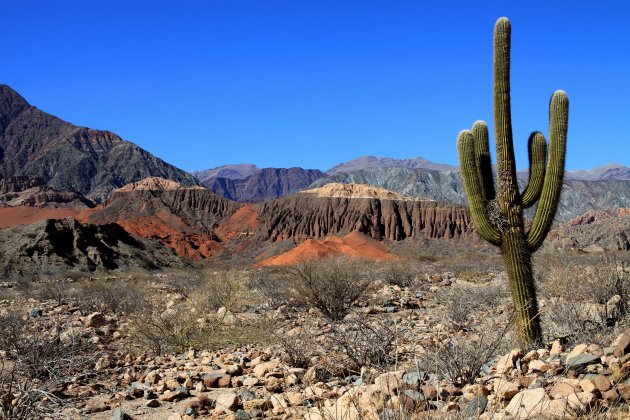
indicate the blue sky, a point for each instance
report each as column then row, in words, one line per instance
column 314, row 83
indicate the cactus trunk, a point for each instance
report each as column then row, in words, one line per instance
column 518, row 264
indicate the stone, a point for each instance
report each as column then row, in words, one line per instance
column 538, row 366
column 602, row 383
column 228, row 400
column 35, row 312
column 556, row 347
column 389, row 382
column 577, row 351
column 621, row 345
column 580, row 362
column 588, row 385
column 476, row 406
column 153, row 403
column 177, row 394
column 225, row 381
column 507, row 363
column 582, row 401
column 561, row 389
column 505, row 390
column 264, row 368
column 624, row 391
column 211, row 380
column 118, row 414
column 274, row 384
column 95, row 320
column 529, row 403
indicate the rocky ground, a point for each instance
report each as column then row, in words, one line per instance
column 413, row 350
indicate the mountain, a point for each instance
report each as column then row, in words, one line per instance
column 238, row 171
column 600, row 173
column 577, row 196
column 364, row 162
column 70, row 158
column 267, row 183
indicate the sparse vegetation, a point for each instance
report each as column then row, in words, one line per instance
column 332, row 286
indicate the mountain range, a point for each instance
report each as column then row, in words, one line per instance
column 116, row 205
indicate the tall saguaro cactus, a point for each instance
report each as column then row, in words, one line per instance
column 498, row 216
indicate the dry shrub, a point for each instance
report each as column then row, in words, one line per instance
column 274, row 286
column 297, row 345
column 585, row 296
column 332, row 285
column 189, row 319
column 399, row 273
column 368, row 343
column 464, row 304
column 36, row 360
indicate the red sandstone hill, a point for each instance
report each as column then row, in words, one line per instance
column 354, row 245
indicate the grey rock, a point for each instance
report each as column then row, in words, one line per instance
column 477, row 406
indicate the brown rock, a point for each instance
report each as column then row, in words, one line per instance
column 624, row 391
column 602, row 383
column 561, row 389
column 621, row 345
column 95, row 320
column 225, row 381
column 505, row 390
column 429, row 391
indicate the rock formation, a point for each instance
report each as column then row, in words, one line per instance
column 51, row 246
column 311, row 215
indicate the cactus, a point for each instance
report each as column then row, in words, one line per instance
column 498, row 216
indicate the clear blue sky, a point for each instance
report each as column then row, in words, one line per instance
column 314, row 83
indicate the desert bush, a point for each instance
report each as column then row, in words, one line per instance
column 297, row 346
column 331, row 286
column 274, row 286
column 462, row 305
column 36, row 359
column 368, row 343
column 459, row 358
column 585, row 296
column 192, row 320
column 399, row 273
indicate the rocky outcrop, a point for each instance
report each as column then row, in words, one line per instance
column 266, row 184
column 304, row 216
column 51, row 246
column 577, row 196
column 183, row 218
column 33, row 192
column 612, row 233
column 71, row 158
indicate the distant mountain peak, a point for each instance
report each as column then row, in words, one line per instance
column 365, row 162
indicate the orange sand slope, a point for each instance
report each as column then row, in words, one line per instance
column 355, row 245
column 22, row 215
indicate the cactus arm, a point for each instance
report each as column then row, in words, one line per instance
column 537, row 146
column 474, row 189
column 482, row 150
column 548, row 204
column 506, row 164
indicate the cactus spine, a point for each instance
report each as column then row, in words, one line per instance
column 498, row 216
